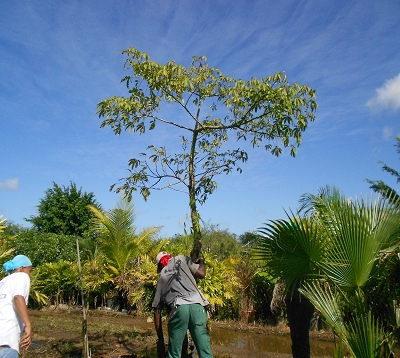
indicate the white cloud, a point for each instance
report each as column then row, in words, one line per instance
column 387, row 133
column 9, row 184
column 258, row 209
column 387, row 96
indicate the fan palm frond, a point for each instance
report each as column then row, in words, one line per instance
column 366, row 336
column 326, row 301
column 290, row 248
column 357, row 230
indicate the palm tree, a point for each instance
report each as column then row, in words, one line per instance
column 360, row 237
column 330, row 253
column 119, row 247
column 290, row 255
column 57, row 281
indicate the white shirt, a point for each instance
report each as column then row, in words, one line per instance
column 11, row 326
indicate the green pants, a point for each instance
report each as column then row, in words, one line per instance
column 194, row 318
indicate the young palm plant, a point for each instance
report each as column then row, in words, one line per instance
column 331, row 256
column 120, row 248
column 57, row 280
column 289, row 250
column 356, row 232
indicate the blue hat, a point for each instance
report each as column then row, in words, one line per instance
column 17, row 262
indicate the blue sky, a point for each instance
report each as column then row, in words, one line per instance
column 59, row 59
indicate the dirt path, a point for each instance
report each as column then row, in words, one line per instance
column 114, row 335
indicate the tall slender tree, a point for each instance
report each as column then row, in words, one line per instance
column 213, row 107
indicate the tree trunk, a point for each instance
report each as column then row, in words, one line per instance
column 194, row 215
column 299, row 312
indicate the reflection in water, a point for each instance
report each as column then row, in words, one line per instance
column 259, row 342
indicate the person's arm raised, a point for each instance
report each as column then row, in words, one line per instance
column 201, row 271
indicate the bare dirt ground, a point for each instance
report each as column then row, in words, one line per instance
column 113, row 335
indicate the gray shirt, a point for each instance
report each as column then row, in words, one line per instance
column 177, row 286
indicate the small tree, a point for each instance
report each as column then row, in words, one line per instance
column 213, row 107
column 64, row 210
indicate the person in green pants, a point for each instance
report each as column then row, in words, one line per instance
column 177, row 291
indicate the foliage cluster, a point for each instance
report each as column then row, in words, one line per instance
column 44, row 247
column 118, row 262
column 63, row 210
column 340, row 254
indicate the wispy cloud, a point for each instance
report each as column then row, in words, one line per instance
column 387, row 96
column 258, row 209
column 387, row 133
column 9, row 184
column 59, row 61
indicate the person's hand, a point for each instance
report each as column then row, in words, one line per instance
column 161, row 349
column 26, row 339
column 200, row 259
column 196, row 251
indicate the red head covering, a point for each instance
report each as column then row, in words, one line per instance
column 164, row 260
